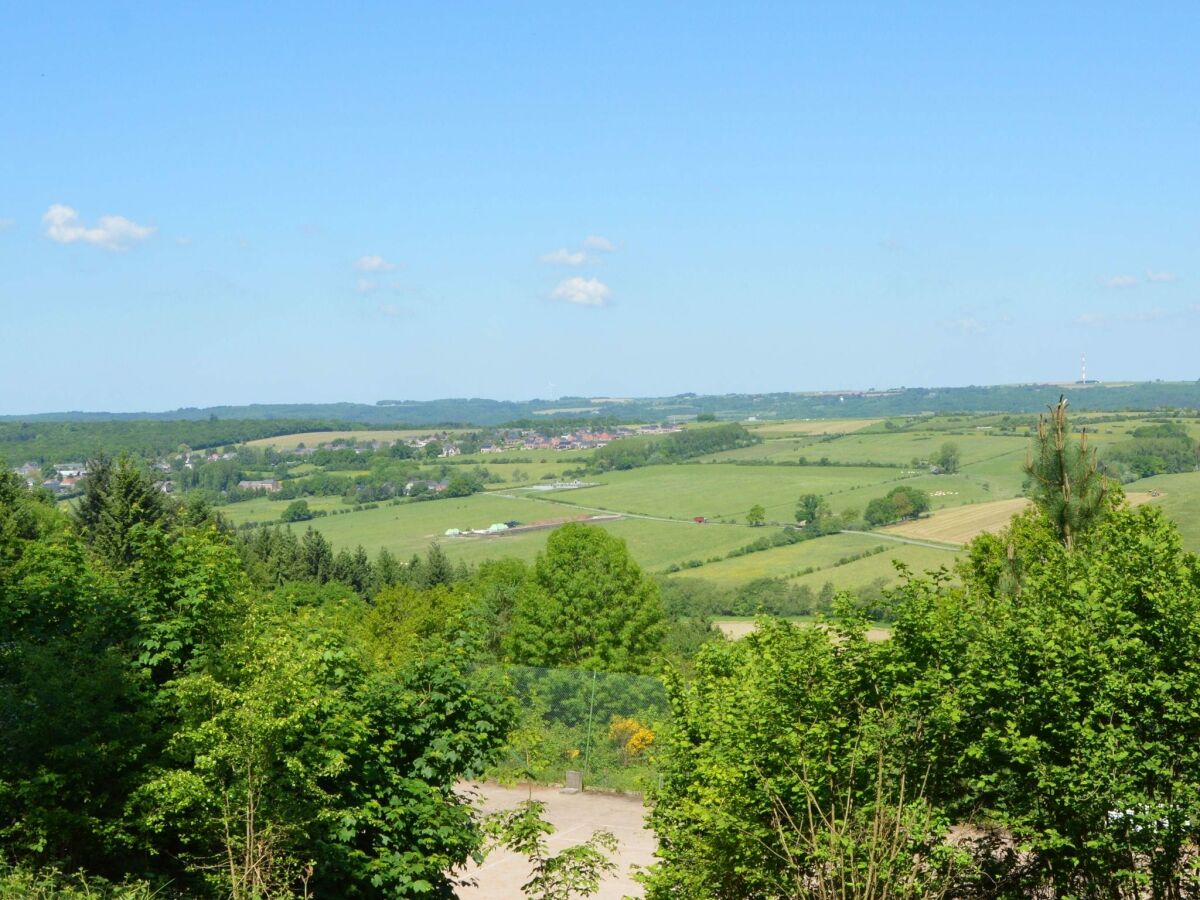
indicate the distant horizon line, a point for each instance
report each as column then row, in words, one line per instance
column 608, row 399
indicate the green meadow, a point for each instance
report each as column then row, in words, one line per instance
column 721, row 490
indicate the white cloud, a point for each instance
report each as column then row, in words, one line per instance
column 596, row 242
column 373, row 264
column 582, row 291
column 1120, row 281
column 966, row 325
column 1161, row 277
column 365, row 285
column 565, row 257
column 111, row 232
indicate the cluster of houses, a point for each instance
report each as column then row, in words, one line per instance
column 583, row 439
column 65, row 479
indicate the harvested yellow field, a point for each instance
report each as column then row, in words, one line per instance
column 814, row 426
column 739, row 628
column 315, row 438
column 959, row 524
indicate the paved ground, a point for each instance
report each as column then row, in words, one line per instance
column 576, row 816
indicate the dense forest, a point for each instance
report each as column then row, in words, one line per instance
column 1025, row 398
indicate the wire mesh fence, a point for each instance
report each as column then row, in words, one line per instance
column 601, row 724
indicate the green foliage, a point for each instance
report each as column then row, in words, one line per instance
column 297, row 511
column 589, row 606
column 1065, row 481
column 948, row 458
column 1048, row 703
column 786, row 774
column 160, row 716
column 574, row 871
column 1153, row 450
column 814, row 512
column 19, row 883
column 757, row 516
column 901, row 502
column 119, row 499
column 682, row 445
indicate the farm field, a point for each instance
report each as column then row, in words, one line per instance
column 263, row 510
column 782, row 562
column 959, row 524
column 1179, row 498
column 410, row 528
column 315, row 438
column 981, row 497
column 944, row 491
column 889, row 448
column 718, row 492
column 810, row 426
column 867, row 571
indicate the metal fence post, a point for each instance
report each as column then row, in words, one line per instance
column 587, row 750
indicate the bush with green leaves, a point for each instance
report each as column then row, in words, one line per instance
column 1047, row 701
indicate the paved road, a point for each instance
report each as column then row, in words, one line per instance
column 593, row 509
column 576, row 816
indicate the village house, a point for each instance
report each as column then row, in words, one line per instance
column 270, row 485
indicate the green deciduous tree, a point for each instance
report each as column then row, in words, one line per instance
column 589, row 606
column 756, row 516
column 947, row 458
column 813, row 510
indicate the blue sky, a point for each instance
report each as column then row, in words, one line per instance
column 210, row 203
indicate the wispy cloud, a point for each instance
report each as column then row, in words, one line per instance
column 565, row 257
column 602, row 244
column 373, row 264
column 966, row 325
column 110, row 232
column 1161, row 277
column 1119, row 281
column 365, row 285
column 6, row 224
column 582, row 291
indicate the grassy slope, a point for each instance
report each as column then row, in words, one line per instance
column 780, row 561
column 1179, row 499
column 718, row 491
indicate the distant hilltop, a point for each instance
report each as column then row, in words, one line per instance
column 1019, row 398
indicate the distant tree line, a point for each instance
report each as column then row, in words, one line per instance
column 675, row 447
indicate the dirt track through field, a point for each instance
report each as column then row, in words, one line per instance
column 575, row 816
